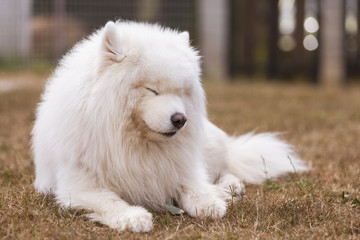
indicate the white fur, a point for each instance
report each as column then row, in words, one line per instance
column 99, row 143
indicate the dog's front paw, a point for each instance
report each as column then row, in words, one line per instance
column 207, row 207
column 231, row 184
column 204, row 205
column 136, row 219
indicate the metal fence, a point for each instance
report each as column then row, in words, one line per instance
column 57, row 25
column 48, row 28
column 270, row 38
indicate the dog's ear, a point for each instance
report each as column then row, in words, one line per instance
column 111, row 43
column 185, row 36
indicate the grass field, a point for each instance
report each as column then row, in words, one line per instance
column 324, row 125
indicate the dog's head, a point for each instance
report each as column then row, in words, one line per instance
column 158, row 73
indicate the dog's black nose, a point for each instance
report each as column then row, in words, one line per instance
column 178, row 120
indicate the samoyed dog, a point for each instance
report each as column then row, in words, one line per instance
column 122, row 128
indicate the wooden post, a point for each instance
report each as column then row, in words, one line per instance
column 213, row 18
column 358, row 36
column 15, row 34
column 149, row 10
column 59, row 30
column 249, row 24
column 272, row 65
column 332, row 61
column 299, row 36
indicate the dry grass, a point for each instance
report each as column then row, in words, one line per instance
column 324, row 125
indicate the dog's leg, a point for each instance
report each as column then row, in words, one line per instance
column 202, row 200
column 231, row 184
column 108, row 208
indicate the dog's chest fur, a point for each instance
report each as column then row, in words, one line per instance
column 149, row 176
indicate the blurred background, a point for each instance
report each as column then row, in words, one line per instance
column 290, row 40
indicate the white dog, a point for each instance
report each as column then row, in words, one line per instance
column 122, row 126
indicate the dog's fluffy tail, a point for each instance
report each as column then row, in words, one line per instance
column 256, row 157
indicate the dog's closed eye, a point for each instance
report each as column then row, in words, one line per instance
column 153, row 91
